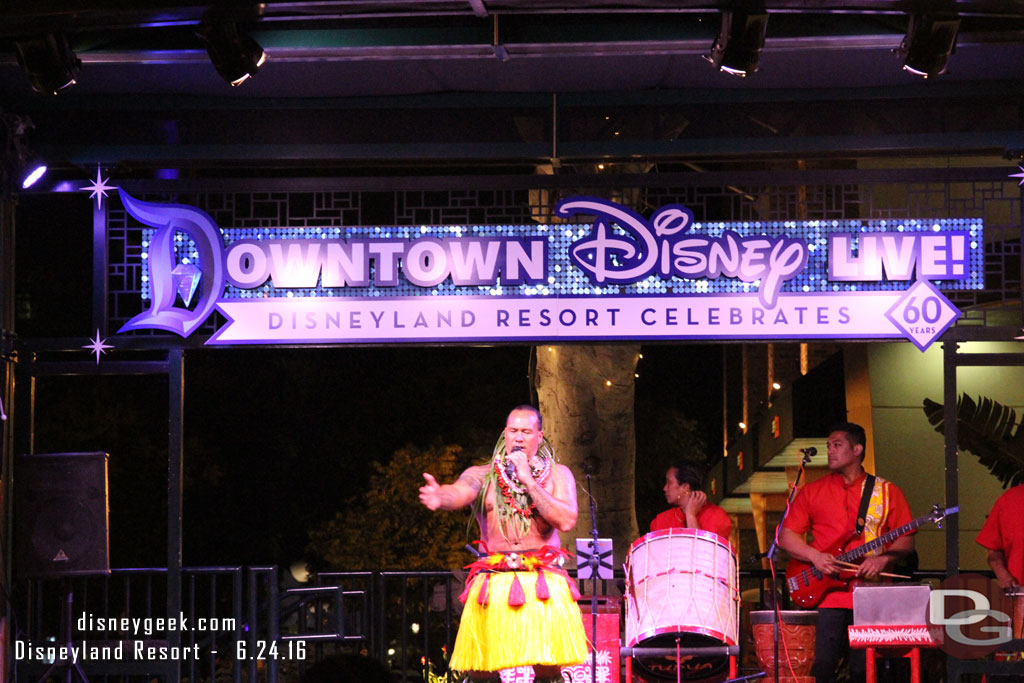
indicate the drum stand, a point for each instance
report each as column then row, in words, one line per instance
column 731, row 651
column 776, row 615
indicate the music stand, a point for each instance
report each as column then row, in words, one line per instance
column 586, row 558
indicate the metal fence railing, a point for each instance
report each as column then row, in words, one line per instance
column 248, row 625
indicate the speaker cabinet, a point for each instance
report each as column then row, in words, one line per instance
column 61, row 515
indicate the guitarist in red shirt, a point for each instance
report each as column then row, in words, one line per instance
column 828, row 509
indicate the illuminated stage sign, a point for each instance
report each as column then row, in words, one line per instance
column 619, row 277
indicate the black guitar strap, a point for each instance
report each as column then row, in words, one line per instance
column 869, row 486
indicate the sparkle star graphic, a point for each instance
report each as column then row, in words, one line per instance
column 98, row 346
column 1019, row 175
column 99, row 188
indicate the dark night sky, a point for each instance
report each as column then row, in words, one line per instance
column 277, row 440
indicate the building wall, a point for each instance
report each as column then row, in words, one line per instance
column 911, row 453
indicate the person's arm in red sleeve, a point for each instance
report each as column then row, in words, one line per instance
column 899, row 515
column 717, row 521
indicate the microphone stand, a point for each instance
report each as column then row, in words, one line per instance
column 776, row 613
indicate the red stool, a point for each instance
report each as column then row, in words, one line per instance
column 892, row 641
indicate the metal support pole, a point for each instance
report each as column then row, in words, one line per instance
column 175, row 485
column 950, row 433
column 949, row 366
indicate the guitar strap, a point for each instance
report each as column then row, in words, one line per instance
column 862, row 513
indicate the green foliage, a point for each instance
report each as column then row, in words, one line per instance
column 990, row 431
column 388, row 527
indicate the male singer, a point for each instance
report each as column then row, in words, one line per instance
column 520, row 605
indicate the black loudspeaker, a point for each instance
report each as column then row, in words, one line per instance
column 61, row 515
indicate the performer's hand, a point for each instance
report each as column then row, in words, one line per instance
column 693, row 502
column 872, row 566
column 826, row 564
column 1006, row 581
column 522, row 465
column 430, row 494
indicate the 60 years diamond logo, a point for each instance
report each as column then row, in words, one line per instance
column 923, row 313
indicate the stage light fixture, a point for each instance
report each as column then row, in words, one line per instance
column 737, row 49
column 929, row 42
column 33, row 168
column 48, row 61
column 233, row 52
column 20, row 167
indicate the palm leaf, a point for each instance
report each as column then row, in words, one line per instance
column 990, row 431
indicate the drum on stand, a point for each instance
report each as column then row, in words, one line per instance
column 797, row 631
column 682, row 590
column 1016, row 596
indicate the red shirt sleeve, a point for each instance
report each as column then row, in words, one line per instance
column 899, row 509
column 798, row 519
column 990, row 537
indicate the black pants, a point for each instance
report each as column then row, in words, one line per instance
column 832, row 643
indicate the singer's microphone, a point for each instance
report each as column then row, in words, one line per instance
column 510, row 468
column 809, row 452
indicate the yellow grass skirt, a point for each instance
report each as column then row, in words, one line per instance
column 495, row 636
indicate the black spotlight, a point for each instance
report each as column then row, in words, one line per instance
column 234, row 53
column 929, row 42
column 738, row 47
column 49, row 62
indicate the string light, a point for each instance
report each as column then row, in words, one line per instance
column 776, row 386
column 607, row 382
column 743, row 425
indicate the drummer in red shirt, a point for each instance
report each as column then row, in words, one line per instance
column 1002, row 536
column 690, row 506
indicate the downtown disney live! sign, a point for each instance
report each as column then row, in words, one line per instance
column 606, row 273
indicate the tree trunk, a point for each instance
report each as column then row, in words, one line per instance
column 586, row 397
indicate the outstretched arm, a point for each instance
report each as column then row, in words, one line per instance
column 451, row 496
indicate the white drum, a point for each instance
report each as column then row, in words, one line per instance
column 685, row 582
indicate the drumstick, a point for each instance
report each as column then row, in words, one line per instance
column 857, row 566
column 885, row 574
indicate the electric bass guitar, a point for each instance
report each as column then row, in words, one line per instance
column 808, row 586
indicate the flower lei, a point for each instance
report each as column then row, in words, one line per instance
column 511, row 501
column 514, row 494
